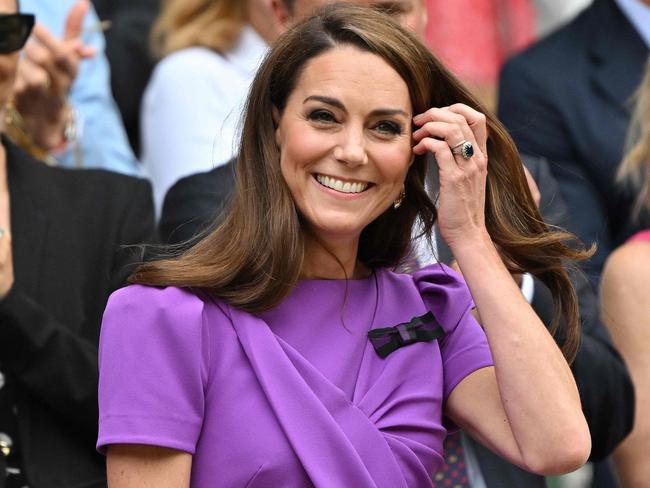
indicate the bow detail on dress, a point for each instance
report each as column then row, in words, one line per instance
column 424, row 328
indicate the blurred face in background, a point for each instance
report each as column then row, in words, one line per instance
column 411, row 14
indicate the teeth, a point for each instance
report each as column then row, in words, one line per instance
column 338, row 185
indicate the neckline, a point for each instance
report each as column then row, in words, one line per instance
column 373, row 275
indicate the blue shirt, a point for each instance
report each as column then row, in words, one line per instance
column 638, row 14
column 101, row 135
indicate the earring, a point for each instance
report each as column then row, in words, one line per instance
column 398, row 203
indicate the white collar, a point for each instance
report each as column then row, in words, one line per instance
column 638, row 13
column 248, row 51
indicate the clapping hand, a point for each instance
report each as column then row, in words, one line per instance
column 45, row 74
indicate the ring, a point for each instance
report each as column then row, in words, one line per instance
column 464, row 149
column 2, row 232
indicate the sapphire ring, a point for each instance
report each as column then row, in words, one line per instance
column 464, row 149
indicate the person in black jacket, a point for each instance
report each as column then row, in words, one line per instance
column 194, row 202
column 568, row 99
column 61, row 233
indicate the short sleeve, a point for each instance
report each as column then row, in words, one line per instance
column 153, row 368
column 464, row 349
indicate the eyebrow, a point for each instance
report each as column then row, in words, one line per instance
column 337, row 103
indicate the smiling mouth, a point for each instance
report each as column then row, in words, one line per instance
column 342, row 186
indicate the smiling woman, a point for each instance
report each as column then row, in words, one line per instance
column 290, row 314
column 345, row 147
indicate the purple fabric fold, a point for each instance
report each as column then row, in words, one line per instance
column 293, row 397
column 335, row 441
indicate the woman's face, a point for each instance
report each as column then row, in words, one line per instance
column 8, row 62
column 345, row 141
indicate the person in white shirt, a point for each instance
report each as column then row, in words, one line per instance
column 210, row 52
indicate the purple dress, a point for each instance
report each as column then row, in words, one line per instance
column 296, row 396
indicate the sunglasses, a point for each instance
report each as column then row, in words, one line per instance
column 14, row 31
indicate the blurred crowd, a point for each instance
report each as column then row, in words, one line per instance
column 120, row 126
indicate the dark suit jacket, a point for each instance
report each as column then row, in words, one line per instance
column 107, row 9
column 127, row 49
column 67, row 226
column 567, row 98
column 193, row 203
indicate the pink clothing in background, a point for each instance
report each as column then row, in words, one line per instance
column 474, row 37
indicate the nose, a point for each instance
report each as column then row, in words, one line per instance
column 351, row 149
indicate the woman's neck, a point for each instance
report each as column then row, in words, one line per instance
column 332, row 260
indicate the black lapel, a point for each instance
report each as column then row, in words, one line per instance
column 618, row 53
column 29, row 224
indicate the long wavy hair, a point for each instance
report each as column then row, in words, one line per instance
column 213, row 24
column 255, row 256
column 635, row 167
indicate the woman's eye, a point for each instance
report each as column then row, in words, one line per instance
column 388, row 127
column 321, row 116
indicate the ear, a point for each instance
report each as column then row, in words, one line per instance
column 425, row 13
column 283, row 17
column 275, row 113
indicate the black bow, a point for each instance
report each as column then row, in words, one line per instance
column 420, row 329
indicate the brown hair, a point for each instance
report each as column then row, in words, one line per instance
column 635, row 168
column 254, row 258
column 214, row 24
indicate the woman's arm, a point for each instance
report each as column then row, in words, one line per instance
column 527, row 407
column 141, row 466
column 625, row 310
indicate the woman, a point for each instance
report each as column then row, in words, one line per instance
column 282, row 350
column 190, row 111
column 59, row 233
column 625, row 306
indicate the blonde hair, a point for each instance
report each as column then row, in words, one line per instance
column 635, row 167
column 214, row 24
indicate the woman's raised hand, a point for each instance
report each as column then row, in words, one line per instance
column 461, row 211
